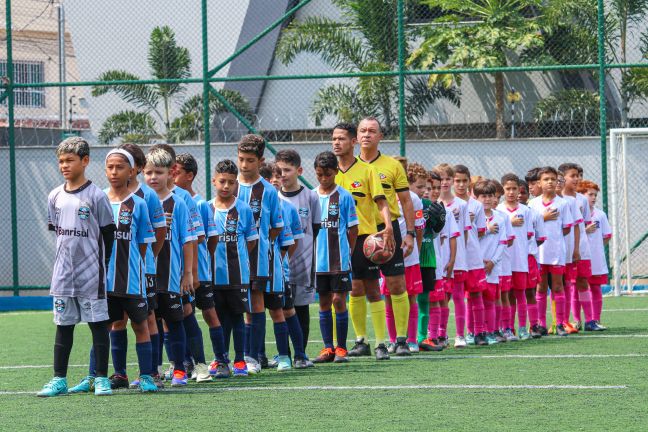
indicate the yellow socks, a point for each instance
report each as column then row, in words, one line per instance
column 378, row 320
column 358, row 312
column 401, row 306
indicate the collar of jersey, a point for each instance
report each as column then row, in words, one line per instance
column 127, row 196
column 167, row 197
column 511, row 210
column 293, row 193
column 328, row 194
column 79, row 189
column 249, row 184
column 371, row 161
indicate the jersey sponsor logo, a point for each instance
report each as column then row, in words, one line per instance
column 334, row 209
column 303, row 211
column 356, row 184
column 84, row 210
column 59, row 305
column 382, row 176
column 329, row 224
column 125, row 217
column 255, row 205
column 123, row 235
column 71, row 232
column 227, row 238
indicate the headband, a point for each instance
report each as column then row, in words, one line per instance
column 124, row 153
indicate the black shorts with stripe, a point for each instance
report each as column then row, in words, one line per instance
column 135, row 308
column 396, row 265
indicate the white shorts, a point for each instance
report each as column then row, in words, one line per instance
column 73, row 310
column 304, row 295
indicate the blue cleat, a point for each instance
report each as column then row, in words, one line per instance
column 102, row 386
column 56, row 387
column 179, row 379
column 146, row 384
column 240, row 369
column 85, row 386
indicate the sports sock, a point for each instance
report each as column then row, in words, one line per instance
column 412, row 323
column 597, row 301
column 144, row 357
column 478, row 314
column 520, row 299
column 575, row 304
column 504, row 317
column 218, row 343
column 568, row 290
column 435, row 321
column 257, row 334
column 303, row 313
column 378, row 320
column 489, row 316
column 443, row 321
column 358, row 312
column 281, row 338
column 100, row 347
column 401, row 306
column 541, row 301
column 391, row 322
column 155, row 352
column 296, row 336
column 342, row 326
column 195, row 342
column 326, row 327
column 498, row 316
column 459, row 307
column 238, row 335
column 248, row 338
column 167, row 346
column 62, row 348
column 585, row 299
column 532, row 312
column 118, row 348
column 334, row 321
column 177, row 343
column 423, row 301
column 470, row 324
column 561, row 312
column 92, row 370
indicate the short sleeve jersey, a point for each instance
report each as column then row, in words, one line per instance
column 419, row 224
column 338, row 214
column 577, row 219
column 126, row 268
column 519, row 251
column 393, row 180
column 363, row 183
column 156, row 216
column 196, row 220
column 428, row 254
column 276, row 282
column 170, row 260
column 584, row 209
column 207, row 220
column 307, row 204
column 554, row 251
column 235, row 227
column 477, row 220
column 292, row 220
column 539, row 232
column 459, row 210
column 493, row 245
column 597, row 246
column 505, row 269
column 442, row 244
column 76, row 217
column 263, row 200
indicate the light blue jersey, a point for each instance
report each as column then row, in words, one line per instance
column 126, row 267
column 292, row 220
column 207, row 220
column 333, row 254
column 170, row 260
column 196, row 220
column 276, row 283
column 156, row 216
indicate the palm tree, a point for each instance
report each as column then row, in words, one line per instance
column 365, row 40
column 478, row 34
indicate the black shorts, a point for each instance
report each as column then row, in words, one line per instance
column 151, row 297
column 362, row 267
column 136, row 309
column 189, row 299
column 274, row 301
column 169, row 307
column 428, row 276
column 204, row 296
column 333, row 283
column 289, row 296
column 234, row 301
column 259, row 284
column 396, row 265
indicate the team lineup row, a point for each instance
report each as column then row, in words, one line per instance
column 155, row 251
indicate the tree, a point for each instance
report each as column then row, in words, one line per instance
column 478, row 34
column 137, row 126
column 365, row 40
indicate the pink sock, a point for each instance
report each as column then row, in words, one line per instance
column 504, row 317
column 576, row 304
column 568, row 289
column 490, row 316
column 435, row 319
column 561, row 312
column 478, row 314
column 391, row 324
column 520, row 299
column 443, row 321
column 597, row 301
column 532, row 310
column 470, row 322
column 498, row 316
column 459, row 308
column 412, row 325
column 585, row 300
column 541, row 301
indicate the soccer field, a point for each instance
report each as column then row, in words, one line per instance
column 584, row 382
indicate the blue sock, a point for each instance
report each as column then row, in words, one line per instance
column 118, row 348
column 326, row 327
column 257, row 334
column 160, row 327
column 155, row 352
column 296, row 336
column 177, row 342
column 194, row 338
column 342, row 328
column 262, row 338
column 238, row 334
column 218, row 343
column 248, row 339
column 226, row 324
column 144, row 357
column 167, row 346
column 91, row 363
column 281, row 337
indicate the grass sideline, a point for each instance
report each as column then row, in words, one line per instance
column 562, row 384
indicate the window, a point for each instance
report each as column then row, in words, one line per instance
column 27, row 72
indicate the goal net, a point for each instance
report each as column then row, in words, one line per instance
column 628, row 199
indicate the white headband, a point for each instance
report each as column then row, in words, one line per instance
column 122, row 152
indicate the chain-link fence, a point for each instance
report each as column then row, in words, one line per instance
column 498, row 86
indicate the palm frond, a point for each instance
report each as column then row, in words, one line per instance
column 127, row 123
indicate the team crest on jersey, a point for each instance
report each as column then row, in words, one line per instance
column 333, row 209
column 382, row 176
column 59, row 305
column 230, row 225
column 84, row 210
column 455, row 212
column 303, row 211
column 356, row 184
column 255, row 205
column 125, row 217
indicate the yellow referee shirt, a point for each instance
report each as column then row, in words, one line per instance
column 361, row 181
column 393, row 180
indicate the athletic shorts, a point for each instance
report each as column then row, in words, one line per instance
column 520, row 280
column 473, row 280
column 490, row 291
column 438, row 293
column 169, row 307
column 460, row 276
column 259, row 284
column 333, row 283
column 361, row 266
column 448, row 285
column 505, row 283
column 289, row 296
column 534, row 273
column 552, row 269
column 205, row 296
column 189, row 299
column 135, row 308
column 428, row 279
column 580, row 269
column 304, row 295
column 235, row 301
column 396, row 265
column 73, row 310
column 413, row 281
column 273, row 301
column 598, row 279
column 151, row 297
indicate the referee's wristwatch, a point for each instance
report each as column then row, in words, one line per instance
column 412, row 233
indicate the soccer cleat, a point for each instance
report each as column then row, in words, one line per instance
column 299, row 363
column 480, row 339
column 543, row 330
column 222, row 371
column 134, row 384
column 460, row 342
column 341, row 355
column 56, row 387
column 402, row 349
column 592, row 326
column 413, row 347
column 168, row 375
column 179, row 378
column 270, row 364
column 361, row 348
column 381, row 352
column 491, row 339
column 443, row 341
column 326, row 355
column 147, row 384
column 202, row 373
column 561, row 330
column 263, row 361
column 470, row 339
column 391, row 347
column 510, row 336
column 85, row 386
column 600, row 326
column 158, row 381
column 283, row 363
column 102, row 386
column 189, row 368
column 499, row 337
column 431, row 345
column 212, row 367
column 240, row 369
column 253, row 366
column 535, row 331
column 308, row 361
column 118, row 381
column 578, row 325
column 523, row 334
column 570, row 328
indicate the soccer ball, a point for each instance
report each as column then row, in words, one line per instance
column 374, row 249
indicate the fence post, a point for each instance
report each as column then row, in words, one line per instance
column 206, row 85
column 602, row 103
column 401, row 77
column 12, row 150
